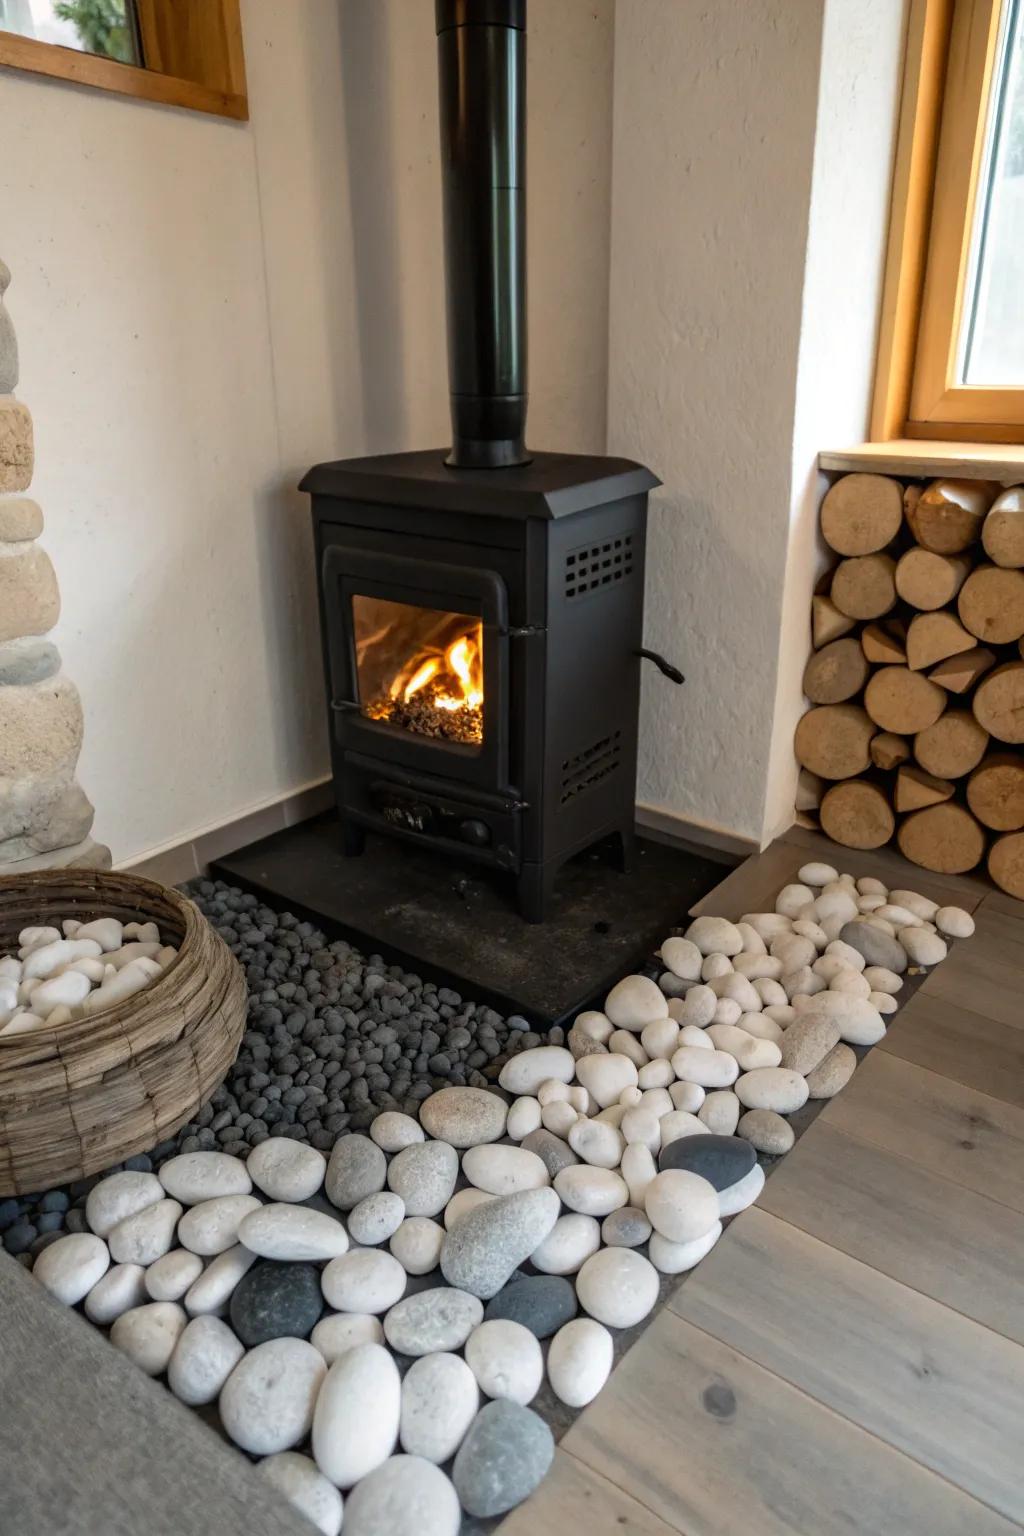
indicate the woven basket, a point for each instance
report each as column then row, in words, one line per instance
column 90, row 1093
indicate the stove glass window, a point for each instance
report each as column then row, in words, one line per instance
column 420, row 668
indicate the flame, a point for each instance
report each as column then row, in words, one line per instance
column 457, row 673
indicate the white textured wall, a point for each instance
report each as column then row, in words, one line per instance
column 853, row 153
column 204, row 309
column 713, row 141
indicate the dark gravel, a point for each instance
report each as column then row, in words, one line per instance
column 333, row 1038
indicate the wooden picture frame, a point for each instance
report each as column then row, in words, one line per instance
column 193, row 53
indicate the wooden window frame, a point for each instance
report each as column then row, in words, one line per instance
column 193, row 52
column 950, row 56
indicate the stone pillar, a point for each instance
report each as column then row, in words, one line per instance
column 45, row 817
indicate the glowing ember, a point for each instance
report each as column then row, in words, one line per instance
column 439, row 690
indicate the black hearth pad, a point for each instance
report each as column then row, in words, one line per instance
column 459, row 925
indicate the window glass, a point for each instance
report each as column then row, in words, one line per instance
column 106, row 27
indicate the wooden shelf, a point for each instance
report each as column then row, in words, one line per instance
column 925, row 460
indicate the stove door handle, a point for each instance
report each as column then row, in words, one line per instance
column 664, row 667
column 344, row 706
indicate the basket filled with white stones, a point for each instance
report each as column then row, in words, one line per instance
column 396, row 1316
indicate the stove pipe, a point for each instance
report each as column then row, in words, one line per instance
column 481, row 47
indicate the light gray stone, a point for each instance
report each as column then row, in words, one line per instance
column 628, row 1227
column 438, row 1319
column 424, row 1176
column 266, row 1405
column 367, row 1281
column 405, row 1493
column 195, row 1176
column 341, row 1331
column 146, row 1236
column 553, row 1152
column 504, row 1457
column 484, row 1248
column 27, row 660
column 286, row 1170
column 214, row 1226
column 440, row 1400
column 877, row 947
column 464, row 1117
column 307, row 1490
column 766, row 1131
column 357, row 1168
column 833, row 1073
column 808, row 1041
column 206, row 1353
column 376, row 1218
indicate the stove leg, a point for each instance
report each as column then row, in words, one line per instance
column 624, row 851
column 534, row 889
column 353, row 838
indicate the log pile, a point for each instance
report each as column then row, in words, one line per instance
column 916, row 681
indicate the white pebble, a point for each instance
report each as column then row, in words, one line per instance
column 266, row 1405
column 571, row 1241
column 720, row 1112
column 107, row 932
column 776, row 1088
column 711, row 1069
column 816, row 874
column 462, row 1202
column 121, row 1288
column 367, row 1280
column 440, row 1399
column 148, row 1334
column 579, row 1361
column 678, row 1124
column 921, row 947
column 523, row 1074
column 715, row 936
column 195, row 1176
column 792, row 899
column 656, row 1074
column 921, row 906
column 671, row 1258
column 214, row 1226
column 170, row 1277
column 606, row 1076
column 715, row 967
column 681, row 1205
column 591, row 1191
column 524, row 1116
column 634, row 1002
column 682, row 958
column 146, row 1236
column 559, row 1117
column 119, row 1196
column 376, row 1219
column 625, row 1044
column 355, row 1426
column 392, row 1131
column 954, row 922
column 506, row 1360
column 206, row 1353
column 595, row 1025
column 307, row 1490
column 697, row 1007
column 597, row 1143
column 504, row 1170
column 342, row 1331
column 212, row 1291
column 287, row 1170
column 743, row 1193
column 618, row 1287
column 70, row 1267
column 687, row 1096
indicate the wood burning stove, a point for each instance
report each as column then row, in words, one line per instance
column 481, row 608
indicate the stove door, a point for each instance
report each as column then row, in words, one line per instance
column 418, row 655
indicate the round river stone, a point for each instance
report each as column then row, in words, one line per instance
column 541, row 1303
column 722, row 1160
column 276, row 1300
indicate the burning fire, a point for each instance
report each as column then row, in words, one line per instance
column 439, row 690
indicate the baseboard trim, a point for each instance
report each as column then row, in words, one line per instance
column 183, row 859
column 687, row 832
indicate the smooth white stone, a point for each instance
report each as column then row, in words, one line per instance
column 715, row 936
column 852, row 958
column 267, row 1403
column 767, row 925
column 206, row 1353
column 20, row 1023
column 792, row 899
column 772, row 1088
column 64, row 991
column 121, row 985
column 727, row 1011
column 761, row 1025
column 594, row 1024
column 921, row 906
column 715, row 967
column 634, row 1002
column 858, row 1021
column 806, row 929
column 869, row 904
column 739, row 990
column 782, row 1015
column 580, row 1361
column 884, row 1002
column 954, row 922
column 618, row 1287
column 440, row 1399
column 711, row 1069
column 506, row 1360
column 629, row 1098
column 48, row 958
column 192, row 1177
column 121, row 1288
column 285, row 1169
column 367, row 1280
column 720, row 1112
column 597, row 1143
column 119, row 1196
column 922, row 948
column 107, row 931
column 625, row 1044
column 342, row 1331
column 405, row 1493
column 682, row 958
column 581, row 1101
column 605, row 1077
column 214, row 1226
column 35, row 938
column 828, row 967
column 753, row 943
column 525, row 1073
column 656, row 1074
column 282, row 1231
column 688, row 1096
column 869, row 886
column 816, row 873
column 70, row 1267
column 658, row 1101
column 559, row 1117
column 680, row 1123
column 146, row 1236
column 659, row 1039
column 170, row 1277
column 212, row 1291
column 504, row 1170
column 569, row 1244
column 129, row 954
column 149, row 1334
column 591, row 1191
column 638, row 1169
column 793, row 952
column 94, row 969
column 637, row 1125
column 743, row 1193
column 852, row 983
column 698, row 1038
column 10, row 969
column 899, row 917
column 698, row 1007
column 671, row 1258
column 355, row 1427
column 833, row 904
column 681, row 1205
column 524, row 1116
column 307, row 1490
column 832, row 927
column 147, row 933
column 462, row 1202
column 759, row 967
column 748, row 1050
column 377, row 1218
column 165, row 956
column 802, row 983
column 392, row 1131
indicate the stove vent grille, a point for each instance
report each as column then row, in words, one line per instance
column 598, row 565
column 590, row 766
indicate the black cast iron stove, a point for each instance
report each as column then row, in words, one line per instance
column 482, row 609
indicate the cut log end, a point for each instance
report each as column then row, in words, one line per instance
column 995, row 792
column 915, row 789
column 832, row 740
column 951, row 747
column 902, row 701
column 861, row 513
column 885, row 645
column 991, row 604
column 961, row 672
column 944, row 838
column 1002, row 533
column 827, row 623
column 836, row 673
column 948, row 515
column 809, row 790
column 857, row 815
column 1006, row 864
column 864, row 587
column 934, row 636
column 928, row 581
column 889, row 751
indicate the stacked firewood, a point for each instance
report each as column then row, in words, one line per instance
column 916, row 681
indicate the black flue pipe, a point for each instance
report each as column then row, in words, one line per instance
column 481, row 46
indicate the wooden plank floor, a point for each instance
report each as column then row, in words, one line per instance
column 851, row 1355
